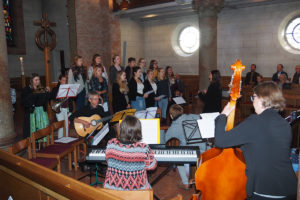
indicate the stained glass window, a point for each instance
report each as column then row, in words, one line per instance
column 8, row 22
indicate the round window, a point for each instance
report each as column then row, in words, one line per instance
column 189, row 39
column 292, row 33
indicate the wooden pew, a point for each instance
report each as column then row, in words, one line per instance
column 22, row 179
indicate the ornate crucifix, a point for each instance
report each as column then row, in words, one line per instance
column 45, row 39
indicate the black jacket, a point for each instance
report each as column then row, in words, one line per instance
column 212, row 99
column 275, row 76
column 150, row 101
column 133, row 90
column 118, row 101
column 248, row 78
column 163, row 88
column 265, row 140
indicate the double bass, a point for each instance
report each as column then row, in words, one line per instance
column 221, row 174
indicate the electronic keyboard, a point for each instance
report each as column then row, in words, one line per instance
column 163, row 154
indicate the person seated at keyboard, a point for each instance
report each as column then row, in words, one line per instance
column 128, row 160
column 176, row 131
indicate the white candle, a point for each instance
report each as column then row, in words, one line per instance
column 22, row 66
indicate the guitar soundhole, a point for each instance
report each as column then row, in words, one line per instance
column 93, row 123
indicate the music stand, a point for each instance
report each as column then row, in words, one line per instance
column 122, row 114
column 192, row 134
column 67, row 90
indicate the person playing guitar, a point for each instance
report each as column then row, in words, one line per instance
column 87, row 111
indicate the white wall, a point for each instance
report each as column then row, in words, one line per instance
column 133, row 33
column 250, row 34
column 152, row 40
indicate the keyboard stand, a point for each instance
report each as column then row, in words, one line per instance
column 97, row 182
column 165, row 172
column 90, row 174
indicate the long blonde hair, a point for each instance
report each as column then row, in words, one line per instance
column 158, row 74
column 95, row 70
column 123, row 84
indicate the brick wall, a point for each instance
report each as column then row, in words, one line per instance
column 98, row 31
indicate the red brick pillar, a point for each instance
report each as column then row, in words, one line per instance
column 7, row 132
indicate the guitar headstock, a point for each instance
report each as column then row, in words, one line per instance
column 236, row 80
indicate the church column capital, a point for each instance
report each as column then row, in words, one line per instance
column 206, row 8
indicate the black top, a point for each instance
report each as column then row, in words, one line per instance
column 265, row 140
column 87, row 111
column 248, row 78
column 129, row 73
column 296, row 78
column 31, row 100
column 118, row 101
column 133, row 89
column 66, row 104
column 275, row 76
column 150, row 102
column 96, row 85
column 163, row 88
column 212, row 99
column 113, row 73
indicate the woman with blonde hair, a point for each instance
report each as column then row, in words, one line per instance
column 265, row 139
column 99, row 84
column 77, row 75
column 120, row 93
column 163, row 95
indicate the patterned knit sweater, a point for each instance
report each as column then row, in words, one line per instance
column 127, row 165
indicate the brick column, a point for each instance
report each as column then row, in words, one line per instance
column 97, row 31
column 7, row 132
column 208, row 15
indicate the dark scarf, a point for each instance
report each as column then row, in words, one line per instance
column 78, row 70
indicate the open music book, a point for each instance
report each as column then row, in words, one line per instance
column 100, row 135
column 149, row 113
column 179, row 100
column 207, row 124
column 66, row 140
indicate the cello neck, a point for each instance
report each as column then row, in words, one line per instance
column 230, row 118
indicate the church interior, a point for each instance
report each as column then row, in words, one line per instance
column 194, row 37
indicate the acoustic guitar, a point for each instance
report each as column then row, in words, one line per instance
column 94, row 120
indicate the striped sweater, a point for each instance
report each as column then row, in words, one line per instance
column 127, row 165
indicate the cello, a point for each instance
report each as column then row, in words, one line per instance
column 221, row 174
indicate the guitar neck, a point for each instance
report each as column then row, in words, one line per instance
column 104, row 119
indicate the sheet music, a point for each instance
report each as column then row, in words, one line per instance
column 67, row 90
column 149, row 92
column 150, row 131
column 149, row 113
column 161, row 96
column 104, row 106
column 207, row 124
column 179, row 100
column 65, row 140
column 100, row 135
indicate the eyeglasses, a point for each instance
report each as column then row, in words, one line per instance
column 252, row 97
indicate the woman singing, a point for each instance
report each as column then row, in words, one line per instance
column 136, row 90
column 99, row 85
column 163, row 95
column 265, row 139
column 150, row 85
column 96, row 62
column 120, row 93
column 115, row 68
column 77, row 75
column 212, row 97
column 35, row 99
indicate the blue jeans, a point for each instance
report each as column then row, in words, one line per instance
column 163, row 105
column 80, row 99
column 139, row 103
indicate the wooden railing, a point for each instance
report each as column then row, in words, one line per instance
column 22, row 179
